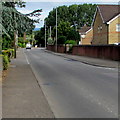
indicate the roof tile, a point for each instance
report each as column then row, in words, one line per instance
column 109, row 11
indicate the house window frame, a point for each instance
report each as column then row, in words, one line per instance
column 118, row 27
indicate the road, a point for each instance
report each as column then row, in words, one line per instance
column 74, row 89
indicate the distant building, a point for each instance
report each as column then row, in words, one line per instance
column 106, row 25
column 86, row 35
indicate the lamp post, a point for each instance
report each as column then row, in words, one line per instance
column 56, row 29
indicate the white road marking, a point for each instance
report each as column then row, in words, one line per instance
column 26, row 58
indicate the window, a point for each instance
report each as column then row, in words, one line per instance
column 118, row 27
column 99, row 28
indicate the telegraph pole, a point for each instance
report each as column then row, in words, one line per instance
column 45, row 33
column 50, row 31
column 15, row 36
column 56, row 29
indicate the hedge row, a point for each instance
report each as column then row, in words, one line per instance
column 7, row 55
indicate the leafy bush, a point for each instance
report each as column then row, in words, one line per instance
column 5, row 62
column 12, row 52
column 22, row 45
column 6, row 43
column 9, row 53
column 69, row 45
column 73, row 42
column 61, row 39
column 50, row 41
column 19, row 44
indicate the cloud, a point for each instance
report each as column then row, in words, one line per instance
column 24, row 11
column 83, row 1
column 42, row 16
column 48, row 5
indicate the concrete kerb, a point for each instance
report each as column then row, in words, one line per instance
column 84, row 61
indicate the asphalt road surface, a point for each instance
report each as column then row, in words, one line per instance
column 74, row 89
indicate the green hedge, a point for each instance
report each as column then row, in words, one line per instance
column 73, row 42
column 5, row 62
column 7, row 55
column 22, row 45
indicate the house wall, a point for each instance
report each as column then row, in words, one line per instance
column 114, row 36
column 100, row 37
column 88, row 38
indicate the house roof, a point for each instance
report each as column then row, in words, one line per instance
column 84, row 29
column 108, row 12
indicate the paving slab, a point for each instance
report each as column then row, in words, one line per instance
column 21, row 94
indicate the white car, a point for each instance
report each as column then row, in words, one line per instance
column 116, row 43
column 28, row 46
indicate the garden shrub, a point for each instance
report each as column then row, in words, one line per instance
column 73, row 42
column 7, row 55
column 5, row 62
column 61, row 39
column 22, row 45
column 69, row 44
column 50, row 41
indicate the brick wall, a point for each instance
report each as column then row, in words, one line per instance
column 98, row 51
column 60, row 48
column 111, row 52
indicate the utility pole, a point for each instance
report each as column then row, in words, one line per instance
column 15, row 35
column 56, row 29
column 1, row 60
column 45, row 33
column 15, row 38
column 50, row 31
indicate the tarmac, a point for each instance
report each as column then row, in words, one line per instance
column 89, row 60
column 22, row 96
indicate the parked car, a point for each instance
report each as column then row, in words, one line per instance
column 116, row 43
column 28, row 46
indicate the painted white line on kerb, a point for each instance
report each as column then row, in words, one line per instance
column 26, row 57
column 107, row 68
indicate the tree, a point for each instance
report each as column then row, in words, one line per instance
column 70, row 19
column 63, row 28
column 12, row 20
column 75, row 14
column 73, row 35
column 39, row 37
column 61, row 39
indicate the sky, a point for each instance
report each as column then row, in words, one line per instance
column 48, row 5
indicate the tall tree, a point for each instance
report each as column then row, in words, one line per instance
column 75, row 15
column 13, row 20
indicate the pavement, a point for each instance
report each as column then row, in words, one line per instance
column 89, row 60
column 22, row 96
